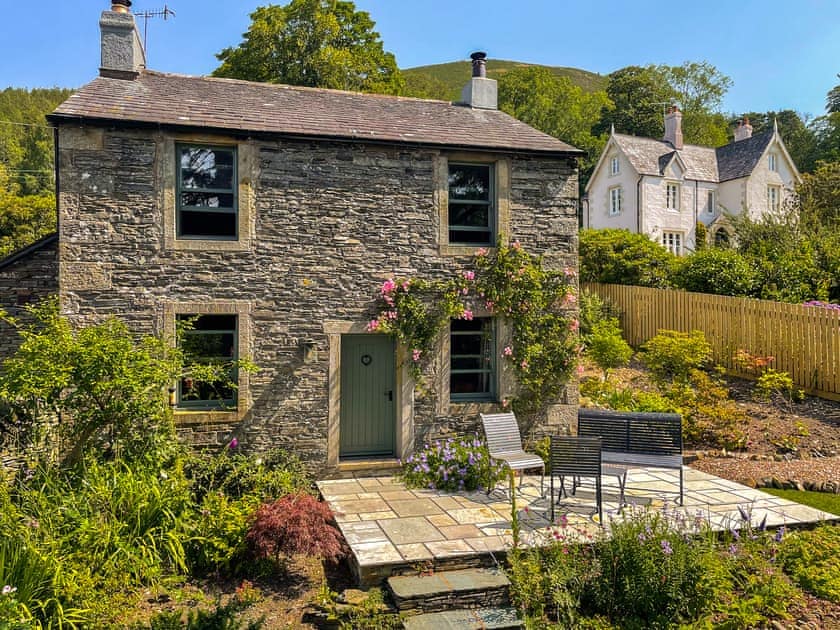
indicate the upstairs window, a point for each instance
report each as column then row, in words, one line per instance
column 771, row 162
column 209, row 339
column 614, row 165
column 472, row 371
column 206, row 195
column 672, row 196
column 471, row 204
column 615, row 201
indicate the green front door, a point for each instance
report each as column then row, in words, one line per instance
column 367, row 396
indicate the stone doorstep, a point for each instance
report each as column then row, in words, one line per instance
column 475, row 619
column 467, row 588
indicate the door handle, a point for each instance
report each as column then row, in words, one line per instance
column 390, row 395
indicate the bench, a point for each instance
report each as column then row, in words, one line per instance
column 633, row 439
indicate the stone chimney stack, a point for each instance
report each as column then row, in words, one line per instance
column 122, row 51
column 743, row 130
column 673, row 127
column 480, row 92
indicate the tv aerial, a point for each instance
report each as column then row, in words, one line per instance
column 165, row 12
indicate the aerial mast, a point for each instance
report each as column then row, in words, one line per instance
column 165, row 12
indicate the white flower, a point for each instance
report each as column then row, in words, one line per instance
column 8, row 590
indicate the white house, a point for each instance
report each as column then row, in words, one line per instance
column 663, row 188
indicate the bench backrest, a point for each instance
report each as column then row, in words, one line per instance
column 654, row 434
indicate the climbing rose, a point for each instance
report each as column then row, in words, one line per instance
column 468, row 315
column 508, row 351
column 469, row 275
column 388, row 286
column 373, row 325
column 415, row 355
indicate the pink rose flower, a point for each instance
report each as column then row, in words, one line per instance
column 469, row 275
column 373, row 325
column 508, row 351
column 388, row 286
column 415, row 355
column 468, row 315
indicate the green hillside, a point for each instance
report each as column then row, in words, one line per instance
column 453, row 75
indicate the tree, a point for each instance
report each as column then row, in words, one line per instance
column 716, row 271
column 315, row 43
column 621, row 257
column 556, row 106
column 23, row 218
column 698, row 86
column 637, row 94
column 607, row 347
column 832, row 99
column 422, row 85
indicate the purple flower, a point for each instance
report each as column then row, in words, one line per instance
column 233, row 443
column 744, row 515
column 666, row 547
column 780, row 533
column 733, row 549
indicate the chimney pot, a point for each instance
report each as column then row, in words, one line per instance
column 479, row 64
column 121, row 6
column 743, row 130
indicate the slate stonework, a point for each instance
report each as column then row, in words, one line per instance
column 331, row 221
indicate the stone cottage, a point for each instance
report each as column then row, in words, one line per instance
column 270, row 215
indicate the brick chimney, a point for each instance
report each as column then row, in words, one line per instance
column 480, row 92
column 673, row 127
column 743, row 130
column 122, row 51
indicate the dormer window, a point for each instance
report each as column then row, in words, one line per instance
column 614, row 165
column 672, row 196
column 771, row 162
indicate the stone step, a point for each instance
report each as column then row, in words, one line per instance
column 477, row 618
column 446, row 590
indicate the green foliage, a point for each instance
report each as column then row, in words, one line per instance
column 716, row 271
column 825, row 501
column 701, row 234
column 775, row 384
column 452, row 465
column 800, row 139
column 637, row 93
column 111, row 384
column 604, row 394
column 316, row 43
column 509, row 283
column 651, row 571
column 371, row 614
column 220, row 617
column 422, row 85
column 23, row 218
column 672, row 355
column 594, row 309
column 607, row 347
column 810, row 558
column 621, row 257
column 217, row 541
column 554, row 105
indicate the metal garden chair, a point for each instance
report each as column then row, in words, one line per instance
column 575, row 457
column 505, row 444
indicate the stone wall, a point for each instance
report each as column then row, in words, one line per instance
column 28, row 279
column 328, row 222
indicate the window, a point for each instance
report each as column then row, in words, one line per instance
column 722, row 238
column 672, row 196
column 209, row 339
column 472, row 365
column 672, row 241
column 710, row 202
column 471, row 207
column 614, row 166
column 774, row 196
column 206, row 196
column 771, row 162
column 615, row 200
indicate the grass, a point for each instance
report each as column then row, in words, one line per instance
column 818, row 500
column 456, row 73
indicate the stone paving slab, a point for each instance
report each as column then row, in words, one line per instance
column 476, row 619
column 386, row 524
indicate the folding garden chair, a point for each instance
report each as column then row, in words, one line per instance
column 575, row 457
column 505, row 444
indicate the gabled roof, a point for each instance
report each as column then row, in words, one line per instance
column 650, row 157
column 40, row 244
column 738, row 159
column 182, row 101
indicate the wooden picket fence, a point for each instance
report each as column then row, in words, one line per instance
column 804, row 340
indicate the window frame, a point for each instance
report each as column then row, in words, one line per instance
column 774, row 198
column 491, row 204
column 233, row 190
column 616, row 199
column 773, row 162
column 676, row 244
column 669, row 199
column 492, row 371
column 711, row 199
column 615, row 165
column 226, row 404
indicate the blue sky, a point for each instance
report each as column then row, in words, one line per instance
column 780, row 54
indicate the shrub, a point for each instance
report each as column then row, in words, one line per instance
column 451, row 465
column 293, row 525
column 810, row 558
column 217, row 543
column 716, row 271
column 672, row 355
column 220, row 617
column 652, row 570
column 621, row 257
column 774, row 383
column 594, row 309
column 603, row 394
column 607, row 347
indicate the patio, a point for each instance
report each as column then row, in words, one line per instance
column 391, row 529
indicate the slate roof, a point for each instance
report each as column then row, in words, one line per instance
column 228, row 104
column 736, row 159
column 38, row 245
